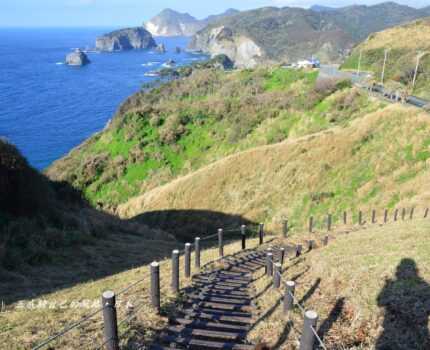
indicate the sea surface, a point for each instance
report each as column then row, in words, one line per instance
column 47, row 107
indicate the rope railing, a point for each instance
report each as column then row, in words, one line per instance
column 109, row 308
column 356, row 217
column 67, row 329
column 309, row 334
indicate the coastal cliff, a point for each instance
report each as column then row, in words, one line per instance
column 126, row 39
column 172, row 23
column 289, row 34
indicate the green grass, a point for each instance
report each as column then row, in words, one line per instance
column 184, row 125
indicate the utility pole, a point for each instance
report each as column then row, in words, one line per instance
column 419, row 56
column 383, row 67
column 359, row 63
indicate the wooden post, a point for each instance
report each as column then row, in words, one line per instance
column 385, row 216
column 197, row 252
column 311, row 244
column 243, row 233
column 175, row 271
column 360, row 217
column 299, row 250
column 288, row 296
column 345, row 221
column 277, row 275
column 282, row 252
column 403, row 213
column 261, row 233
column 308, row 337
column 426, row 213
column 396, row 214
column 110, row 321
column 311, row 224
column 373, row 216
column 285, row 228
column 411, row 215
column 187, row 260
column 329, row 218
column 155, row 286
column 269, row 264
column 325, row 240
column 220, row 242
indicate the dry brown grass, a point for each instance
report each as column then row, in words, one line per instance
column 23, row 328
column 345, row 283
column 373, row 163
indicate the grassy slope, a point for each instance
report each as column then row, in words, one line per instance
column 23, row 328
column 181, row 126
column 352, row 283
column 404, row 42
column 379, row 160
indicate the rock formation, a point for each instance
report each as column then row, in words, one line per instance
column 77, row 58
column 126, row 39
column 160, row 48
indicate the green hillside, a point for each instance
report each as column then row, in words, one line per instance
column 182, row 125
column 404, row 43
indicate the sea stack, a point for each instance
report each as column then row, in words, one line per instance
column 161, row 48
column 77, row 58
column 126, row 39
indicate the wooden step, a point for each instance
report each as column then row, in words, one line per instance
column 211, row 325
column 192, row 343
column 205, row 333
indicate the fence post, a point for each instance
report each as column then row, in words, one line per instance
column 311, row 244
column 269, row 264
column 329, row 217
column 299, row 250
column 308, row 337
column 396, row 214
column 403, row 213
column 277, row 275
column 345, row 218
column 155, row 286
column 311, row 224
column 187, row 260
column 197, row 252
column 282, row 250
column 385, row 216
column 110, row 320
column 426, row 213
column 243, row 232
column 373, row 216
column 261, row 233
column 220, row 242
column 175, row 271
column 325, row 240
column 411, row 216
column 285, row 226
column 288, row 296
column 360, row 217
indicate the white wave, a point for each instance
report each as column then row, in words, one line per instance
column 59, row 63
column 149, row 64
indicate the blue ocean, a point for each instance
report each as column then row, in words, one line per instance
column 46, row 107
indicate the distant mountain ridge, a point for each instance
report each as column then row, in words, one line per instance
column 172, row 23
column 274, row 34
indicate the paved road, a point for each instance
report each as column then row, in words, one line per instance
column 332, row 71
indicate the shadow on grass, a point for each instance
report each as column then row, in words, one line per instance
column 405, row 299
column 108, row 254
column 331, row 319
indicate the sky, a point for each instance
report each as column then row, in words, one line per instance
column 81, row 13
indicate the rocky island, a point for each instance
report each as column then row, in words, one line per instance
column 126, row 39
column 77, row 58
